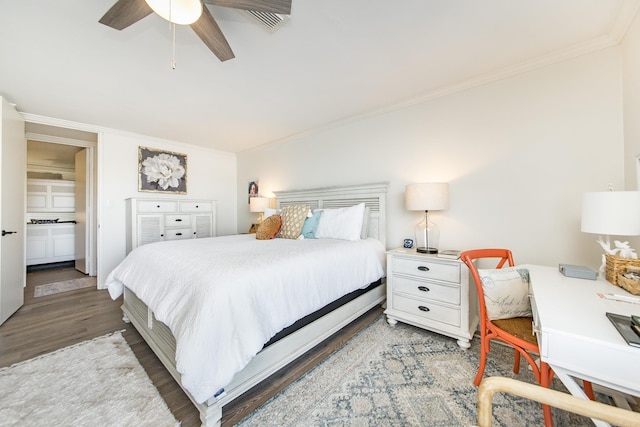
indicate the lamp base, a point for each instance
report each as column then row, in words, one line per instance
column 424, row 250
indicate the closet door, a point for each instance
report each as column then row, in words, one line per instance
column 13, row 163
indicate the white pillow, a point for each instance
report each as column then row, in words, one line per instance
column 365, row 223
column 506, row 292
column 268, row 212
column 342, row 223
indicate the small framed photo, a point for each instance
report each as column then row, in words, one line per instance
column 254, row 189
column 162, row 171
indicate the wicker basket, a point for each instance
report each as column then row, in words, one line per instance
column 631, row 286
column 617, row 266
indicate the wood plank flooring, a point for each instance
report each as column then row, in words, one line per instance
column 51, row 322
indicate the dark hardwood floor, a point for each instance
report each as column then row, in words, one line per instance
column 51, row 322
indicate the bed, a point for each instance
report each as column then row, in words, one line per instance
column 319, row 313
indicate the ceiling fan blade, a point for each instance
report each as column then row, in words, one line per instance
column 272, row 6
column 124, row 13
column 207, row 29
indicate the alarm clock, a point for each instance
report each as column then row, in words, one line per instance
column 408, row 243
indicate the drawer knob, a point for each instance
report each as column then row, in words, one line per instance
column 423, row 308
column 157, row 206
column 197, row 206
column 423, row 288
column 162, row 235
column 178, row 234
column 178, row 219
column 423, row 268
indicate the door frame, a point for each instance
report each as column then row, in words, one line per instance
column 91, row 208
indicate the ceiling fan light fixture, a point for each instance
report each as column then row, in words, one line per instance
column 182, row 12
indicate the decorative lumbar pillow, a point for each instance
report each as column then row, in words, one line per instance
column 342, row 223
column 311, row 225
column 293, row 218
column 269, row 228
column 506, row 292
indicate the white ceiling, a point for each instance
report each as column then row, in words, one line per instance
column 332, row 61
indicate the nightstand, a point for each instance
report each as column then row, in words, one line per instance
column 431, row 293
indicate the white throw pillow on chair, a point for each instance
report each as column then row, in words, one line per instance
column 506, row 292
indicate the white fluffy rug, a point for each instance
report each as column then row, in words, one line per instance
column 95, row 383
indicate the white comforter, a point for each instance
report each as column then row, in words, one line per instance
column 224, row 297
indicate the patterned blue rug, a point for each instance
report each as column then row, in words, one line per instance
column 403, row 376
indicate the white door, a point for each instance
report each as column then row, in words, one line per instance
column 13, row 176
column 81, row 234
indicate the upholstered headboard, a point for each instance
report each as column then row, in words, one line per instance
column 374, row 196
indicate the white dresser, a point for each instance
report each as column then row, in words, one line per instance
column 155, row 220
column 431, row 293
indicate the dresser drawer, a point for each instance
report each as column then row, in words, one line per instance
column 430, row 290
column 178, row 233
column 427, row 269
column 151, row 206
column 427, row 310
column 177, row 220
column 196, row 207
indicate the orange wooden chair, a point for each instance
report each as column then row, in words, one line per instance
column 516, row 332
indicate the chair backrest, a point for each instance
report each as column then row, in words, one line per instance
column 504, row 256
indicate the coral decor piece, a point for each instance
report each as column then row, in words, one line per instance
column 622, row 249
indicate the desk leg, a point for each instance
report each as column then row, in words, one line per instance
column 575, row 390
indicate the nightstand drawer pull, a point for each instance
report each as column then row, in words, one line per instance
column 423, row 308
column 178, row 234
column 423, row 289
column 178, row 219
column 423, row 268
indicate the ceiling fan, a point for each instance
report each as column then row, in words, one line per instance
column 127, row 12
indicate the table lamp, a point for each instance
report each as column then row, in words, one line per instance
column 258, row 204
column 429, row 196
column 612, row 213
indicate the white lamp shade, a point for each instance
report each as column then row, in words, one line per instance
column 428, row 196
column 183, row 12
column 611, row 213
column 258, row 204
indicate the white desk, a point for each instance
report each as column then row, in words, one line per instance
column 575, row 337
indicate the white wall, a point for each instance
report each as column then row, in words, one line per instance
column 518, row 154
column 631, row 94
column 631, row 73
column 211, row 174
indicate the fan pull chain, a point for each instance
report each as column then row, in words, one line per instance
column 173, row 47
column 172, row 25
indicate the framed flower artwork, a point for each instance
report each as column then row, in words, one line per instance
column 162, row 171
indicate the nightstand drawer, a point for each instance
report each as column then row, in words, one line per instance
column 427, row 310
column 430, row 290
column 178, row 233
column 427, row 269
column 177, row 220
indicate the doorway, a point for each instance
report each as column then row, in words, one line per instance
column 61, row 194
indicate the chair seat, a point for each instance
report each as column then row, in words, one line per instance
column 520, row 327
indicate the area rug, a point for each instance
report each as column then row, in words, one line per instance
column 63, row 286
column 95, row 383
column 402, row 376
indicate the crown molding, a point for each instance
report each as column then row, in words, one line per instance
column 625, row 18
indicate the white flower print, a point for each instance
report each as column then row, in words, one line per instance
column 163, row 169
